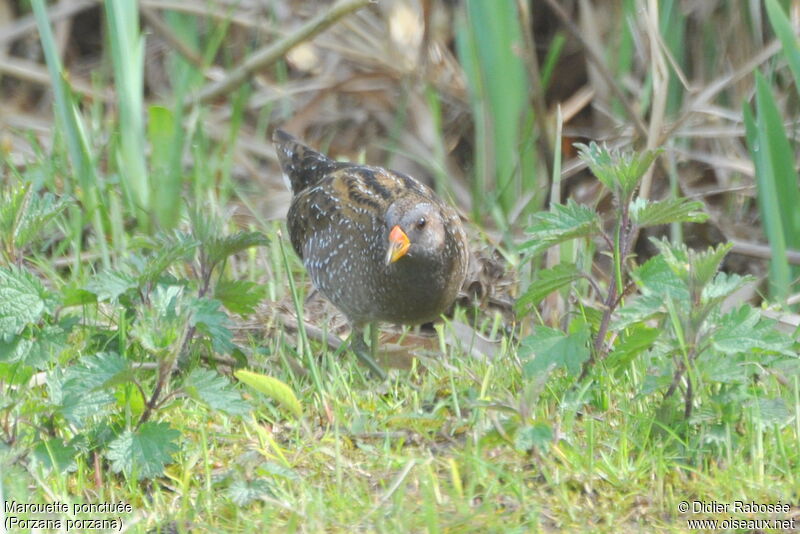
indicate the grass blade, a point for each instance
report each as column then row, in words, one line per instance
column 127, row 55
column 786, row 35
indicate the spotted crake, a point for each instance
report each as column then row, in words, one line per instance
column 381, row 246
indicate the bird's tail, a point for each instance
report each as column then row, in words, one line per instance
column 301, row 165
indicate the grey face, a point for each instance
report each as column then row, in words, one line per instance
column 423, row 225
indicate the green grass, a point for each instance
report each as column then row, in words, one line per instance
column 401, row 459
column 131, row 295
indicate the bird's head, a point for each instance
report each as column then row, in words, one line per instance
column 414, row 230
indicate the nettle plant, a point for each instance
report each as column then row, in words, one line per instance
column 112, row 352
column 665, row 316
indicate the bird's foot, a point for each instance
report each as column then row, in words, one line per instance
column 365, row 353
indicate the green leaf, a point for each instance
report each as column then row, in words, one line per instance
column 547, row 281
column 693, row 268
column 547, row 347
column 705, row 264
column 83, row 390
column 243, row 492
column 272, row 388
column 24, row 213
column 167, row 250
column 639, row 309
column 209, row 319
column 66, row 109
column 240, row 296
column 723, row 286
column 219, row 248
column 166, row 135
column 109, row 285
column 488, row 41
column 745, row 330
column 98, row 370
column 55, row 453
column 23, row 300
column 619, row 171
column 770, row 412
column 14, row 348
column 72, row 295
column 275, row 470
column 145, row 451
column 74, row 400
column 37, row 346
column 788, row 37
column 635, row 341
column 777, row 182
column 562, row 222
column 162, row 324
column 216, row 391
column 127, row 60
column 657, row 276
column 536, row 436
column 645, row 213
column 726, row 368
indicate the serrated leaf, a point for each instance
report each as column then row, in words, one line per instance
column 723, row 286
column 240, row 296
column 770, row 412
column 646, row 213
column 75, row 401
column 562, row 222
column 76, row 296
column 216, row 391
column 23, row 300
column 744, row 330
column 243, row 492
column 656, row 276
column 536, row 436
column 619, row 171
column 275, row 470
column 14, row 348
column 725, row 368
column 705, row 264
column 41, row 209
column 55, row 453
column 638, row 309
column 98, row 370
column 547, row 347
column 167, row 249
column 547, row 281
column 37, row 346
column 110, row 284
column 143, row 452
column 272, row 388
column 83, row 390
column 206, row 315
column 635, row 341
column 220, row 248
column 23, row 213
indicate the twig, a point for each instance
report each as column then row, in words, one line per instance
column 27, row 24
column 268, row 55
column 34, row 72
column 166, row 33
column 757, row 250
column 239, row 17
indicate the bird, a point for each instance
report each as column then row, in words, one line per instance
column 378, row 244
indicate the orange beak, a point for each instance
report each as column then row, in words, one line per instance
column 398, row 245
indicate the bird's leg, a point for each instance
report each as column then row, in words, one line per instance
column 364, row 353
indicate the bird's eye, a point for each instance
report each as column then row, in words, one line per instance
column 421, row 223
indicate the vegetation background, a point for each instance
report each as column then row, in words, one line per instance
column 626, row 339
